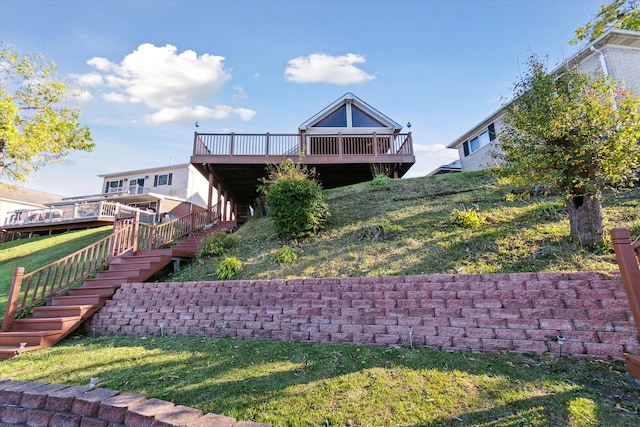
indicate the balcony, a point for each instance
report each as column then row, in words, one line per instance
column 237, row 161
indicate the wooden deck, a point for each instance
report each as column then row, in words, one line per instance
column 235, row 162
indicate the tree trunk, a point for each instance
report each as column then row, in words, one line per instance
column 586, row 218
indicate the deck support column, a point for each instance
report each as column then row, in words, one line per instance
column 219, row 204
column 210, row 199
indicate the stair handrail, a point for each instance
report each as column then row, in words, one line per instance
column 28, row 290
column 628, row 258
column 157, row 235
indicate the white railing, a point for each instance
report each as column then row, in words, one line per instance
column 74, row 212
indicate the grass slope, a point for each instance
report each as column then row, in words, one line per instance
column 405, row 228
column 39, row 251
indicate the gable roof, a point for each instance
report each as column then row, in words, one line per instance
column 26, row 195
column 349, row 98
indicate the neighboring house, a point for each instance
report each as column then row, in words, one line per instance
column 157, row 193
column 13, row 198
column 616, row 53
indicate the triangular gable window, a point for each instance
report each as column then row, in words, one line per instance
column 337, row 119
column 360, row 119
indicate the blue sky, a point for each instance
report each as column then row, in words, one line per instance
column 152, row 68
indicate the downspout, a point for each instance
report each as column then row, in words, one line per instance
column 603, row 63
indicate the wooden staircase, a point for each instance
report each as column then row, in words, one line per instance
column 65, row 313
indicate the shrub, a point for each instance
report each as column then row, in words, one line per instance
column 380, row 179
column 295, row 200
column 467, row 218
column 285, row 255
column 216, row 244
column 228, row 267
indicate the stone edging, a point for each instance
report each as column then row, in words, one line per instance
column 44, row 404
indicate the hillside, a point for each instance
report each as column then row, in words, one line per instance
column 405, row 227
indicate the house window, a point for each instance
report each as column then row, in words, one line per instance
column 484, row 138
column 113, row 186
column 360, row 119
column 337, row 119
column 164, row 179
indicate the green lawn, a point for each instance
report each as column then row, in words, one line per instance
column 293, row 384
column 39, row 251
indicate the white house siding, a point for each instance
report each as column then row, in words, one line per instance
column 622, row 63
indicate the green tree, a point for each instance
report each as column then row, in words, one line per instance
column 574, row 133
column 623, row 14
column 38, row 123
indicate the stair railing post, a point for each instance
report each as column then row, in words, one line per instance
column 12, row 299
column 136, row 232
column 152, row 237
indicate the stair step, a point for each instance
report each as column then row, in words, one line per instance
column 32, row 338
column 63, row 310
column 124, row 266
column 113, row 281
column 46, row 323
column 127, row 275
column 78, row 300
column 10, row 351
column 103, row 291
column 135, row 259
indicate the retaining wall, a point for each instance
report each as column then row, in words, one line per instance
column 43, row 404
column 524, row 312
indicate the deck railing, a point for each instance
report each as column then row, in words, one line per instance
column 73, row 212
column 628, row 258
column 130, row 235
column 232, row 144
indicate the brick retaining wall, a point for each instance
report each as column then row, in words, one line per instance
column 43, row 404
column 523, row 312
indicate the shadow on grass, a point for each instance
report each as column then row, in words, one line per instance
column 309, row 384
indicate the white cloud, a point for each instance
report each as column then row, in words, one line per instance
column 323, row 68
column 114, row 97
column 174, row 86
column 90, row 79
column 185, row 114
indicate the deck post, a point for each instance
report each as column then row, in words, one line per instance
column 267, row 144
column 12, row 299
column 210, row 199
column 340, row 146
column 219, row 204
column 232, row 143
column 375, row 144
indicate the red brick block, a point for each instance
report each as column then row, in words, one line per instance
column 536, row 313
column 13, row 415
column 178, row 416
column 387, row 339
column 447, row 312
column 556, row 325
column 504, row 313
column 36, row 398
column 374, row 329
column 529, row 346
column 463, row 322
column 510, row 334
column 517, row 303
column 62, row 400
column 363, row 339
column 468, row 344
column 479, row 333
column 523, row 324
column 94, row 422
column 88, row 404
column 437, row 322
column 486, row 303
column 438, row 342
column 610, row 314
column 59, row 419
column 115, row 408
column 214, row 420
column 482, row 286
column 439, row 278
column 143, row 414
column 39, row 418
column 475, row 313
column 433, row 303
column 492, row 323
column 616, row 338
column 496, row 344
column 11, row 391
column 460, row 303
